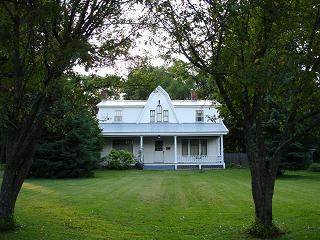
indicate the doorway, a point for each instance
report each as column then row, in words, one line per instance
column 158, row 151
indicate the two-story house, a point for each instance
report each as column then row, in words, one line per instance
column 164, row 133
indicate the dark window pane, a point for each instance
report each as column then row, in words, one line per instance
column 194, row 146
column 184, row 147
column 158, row 146
column 203, row 146
column 199, row 116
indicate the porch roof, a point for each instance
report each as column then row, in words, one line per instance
column 164, row 129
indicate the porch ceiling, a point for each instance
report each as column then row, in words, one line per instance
column 164, row 129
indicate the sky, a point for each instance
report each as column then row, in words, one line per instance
column 141, row 47
column 122, row 67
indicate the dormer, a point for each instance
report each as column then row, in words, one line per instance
column 158, row 108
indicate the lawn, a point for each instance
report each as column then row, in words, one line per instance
column 162, row 205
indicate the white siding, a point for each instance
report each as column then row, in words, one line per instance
column 183, row 112
column 188, row 114
column 129, row 114
column 108, row 145
column 168, row 142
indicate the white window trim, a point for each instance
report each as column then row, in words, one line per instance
column 159, row 113
column 189, row 146
column 153, row 117
column 117, row 116
column 166, row 117
column 196, row 115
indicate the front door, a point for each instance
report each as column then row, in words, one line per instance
column 158, row 151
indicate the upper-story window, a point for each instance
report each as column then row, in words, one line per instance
column 118, row 115
column 199, row 116
column 152, row 116
column 159, row 113
column 165, row 115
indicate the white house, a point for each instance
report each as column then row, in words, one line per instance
column 164, row 133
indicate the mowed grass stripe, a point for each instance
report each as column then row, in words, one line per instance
column 162, row 205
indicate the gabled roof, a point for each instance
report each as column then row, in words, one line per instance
column 158, row 89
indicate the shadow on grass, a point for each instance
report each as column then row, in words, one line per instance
column 296, row 177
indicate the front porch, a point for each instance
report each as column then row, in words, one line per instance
column 172, row 152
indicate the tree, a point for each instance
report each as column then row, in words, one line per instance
column 176, row 79
column 71, row 141
column 41, row 40
column 254, row 50
column 74, row 152
column 90, row 89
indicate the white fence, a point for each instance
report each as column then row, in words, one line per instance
column 199, row 159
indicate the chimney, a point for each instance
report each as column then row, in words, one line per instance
column 194, row 95
column 103, row 94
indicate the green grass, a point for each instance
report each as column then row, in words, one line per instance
column 162, row 205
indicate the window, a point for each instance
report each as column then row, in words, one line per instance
column 194, row 147
column 199, row 116
column 165, row 115
column 159, row 113
column 152, row 116
column 204, row 147
column 185, row 147
column 123, row 144
column 158, row 146
column 118, row 115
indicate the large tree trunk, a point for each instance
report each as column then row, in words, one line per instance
column 20, row 147
column 13, row 178
column 10, row 188
column 263, row 174
column 262, row 192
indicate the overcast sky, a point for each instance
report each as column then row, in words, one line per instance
column 142, row 47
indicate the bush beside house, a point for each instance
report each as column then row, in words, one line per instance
column 119, row 160
column 72, row 153
column 314, row 167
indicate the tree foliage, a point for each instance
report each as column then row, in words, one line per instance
column 90, row 89
column 71, row 141
column 177, row 79
column 40, row 41
column 255, row 51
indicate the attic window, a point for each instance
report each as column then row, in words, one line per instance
column 152, row 115
column 118, row 115
column 159, row 102
column 159, row 113
column 165, row 115
column 199, row 116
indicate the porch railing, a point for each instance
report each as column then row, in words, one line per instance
column 200, row 159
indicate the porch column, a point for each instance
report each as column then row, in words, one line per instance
column 175, row 153
column 221, row 146
column 141, row 149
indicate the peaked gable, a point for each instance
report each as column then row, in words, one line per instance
column 158, row 97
